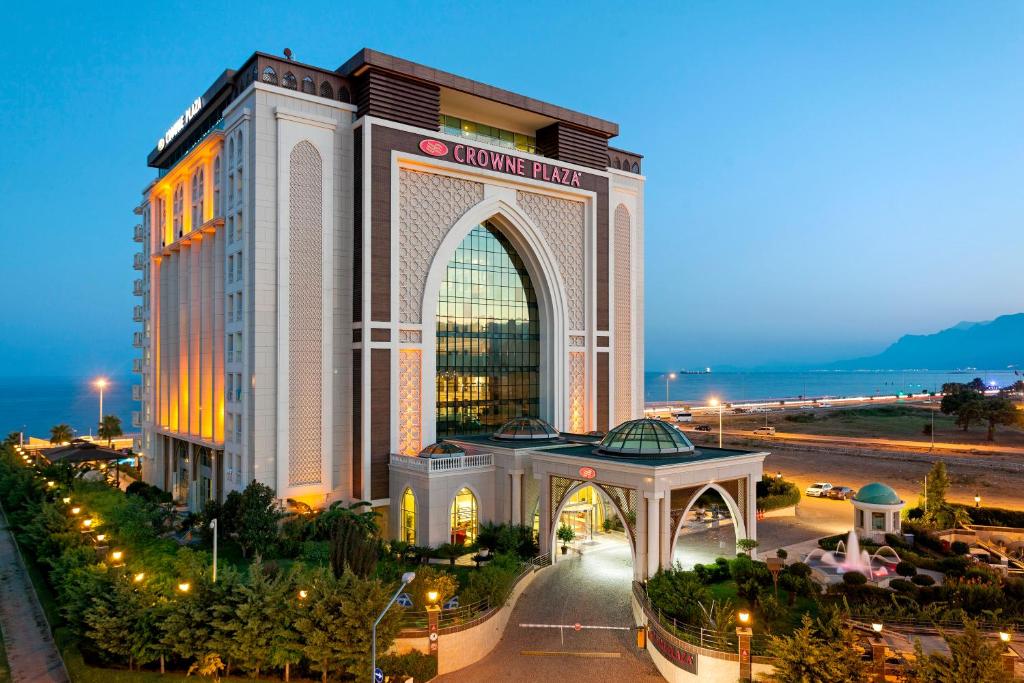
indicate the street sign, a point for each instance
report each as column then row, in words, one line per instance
column 378, row 675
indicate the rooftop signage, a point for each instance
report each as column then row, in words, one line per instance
column 501, row 162
column 588, row 472
column 180, row 123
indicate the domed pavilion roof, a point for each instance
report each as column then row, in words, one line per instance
column 441, row 449
column 525, row 429
column 877, row 493
column 646, row 436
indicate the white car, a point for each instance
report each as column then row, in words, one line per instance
column 818, row 490
column 768, row 431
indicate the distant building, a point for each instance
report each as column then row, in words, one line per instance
column 340, row 267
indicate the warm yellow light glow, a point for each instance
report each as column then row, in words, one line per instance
column 744, row 617
column 877, row 627
column 671, row 375
column 139, row 577
column 713, row 402
column 432, row 597
column 66, row 499
column 75, row 510
column 87, row 523
column 184, row 586
column 101, row 383
column 1004, row 636
column 303, row 595
column 51, row 484
column 116, row 555
column 101, row 537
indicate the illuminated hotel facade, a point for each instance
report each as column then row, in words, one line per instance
column 343, row 267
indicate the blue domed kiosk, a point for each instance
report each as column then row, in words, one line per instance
column 876, row 511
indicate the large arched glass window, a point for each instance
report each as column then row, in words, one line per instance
column 488, row 337
column 408, row 531
column 464, row 517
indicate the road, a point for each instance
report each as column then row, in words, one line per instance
column 592, row 590
column 867, row 442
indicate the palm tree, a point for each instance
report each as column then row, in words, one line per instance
column 61, row 433
column 12, row 439
column 110, row 427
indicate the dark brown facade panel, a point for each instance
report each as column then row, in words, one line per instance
column 380, row 422
column 357, row 425
column 380, row 230
column 565, row 143
column 380, row 334
column 357, row 227
column 395, row 98
column 602, row 259
column 602, row 392
column 357, row 335
column 602, row 340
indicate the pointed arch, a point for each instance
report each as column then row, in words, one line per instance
column 573, row 490
column 542, row 266
column 739, row 524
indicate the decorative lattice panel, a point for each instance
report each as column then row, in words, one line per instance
column 559, row 489
column 577, row 341
column 623, row 316
column 428, row 206
column 577, row 392
column 410, row 336
column 628, row 501
column 563, row 224
column 305, row 324
column 679, row 499
column 409, row 381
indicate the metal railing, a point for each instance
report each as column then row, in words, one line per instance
column 138, row 313
column 138, row 339
column 458, row 462
column 139, row 261
column 136, row 418
column 138, row 365
column 137, row 287
column 137, row 234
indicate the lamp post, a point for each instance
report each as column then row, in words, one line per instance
column 101, row 384
column 743, row 634
column 878, row 652
column 433, row 615
column 213, row 525
column 715, row 402
column 977, row 500
column 1009, row 657
column 407, row 578
column 668, row 377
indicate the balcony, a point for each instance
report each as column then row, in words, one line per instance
column 138, row 313
column 138, row 365
column 138, row 287
column 138, row 340
column 442, row 465
column 137, row 234
column 136, row 418
column 139, row 261
column 136, row 392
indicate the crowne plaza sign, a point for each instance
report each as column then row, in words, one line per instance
column 501, row 162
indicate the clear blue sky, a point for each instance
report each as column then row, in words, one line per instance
column 822, row 177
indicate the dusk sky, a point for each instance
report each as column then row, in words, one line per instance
column 821, row 177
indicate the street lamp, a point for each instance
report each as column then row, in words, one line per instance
column 743, row 635
column 715, row 402
column 407, row 578
column 213, row 525
column 877, row 628
column 184, row 586
column 101, row 384
column 669, row 376
column 977, row 500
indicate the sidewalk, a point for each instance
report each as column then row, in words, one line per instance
column 31, row 652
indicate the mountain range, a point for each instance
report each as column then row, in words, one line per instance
column 991, row 345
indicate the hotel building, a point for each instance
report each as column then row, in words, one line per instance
column 342, row 268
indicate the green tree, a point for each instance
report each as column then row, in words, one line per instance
column 353, row 547
column 366, row 599
column 999, row 410
column 255, row 521
column 12, row 439
column 120, row 622
column 747, row 545
column 972, row 657
column 321, row 621
column 678, row 593
column 246, row 619
column 813, row 655
column 936, row 485
column 185, row 624
column 286, row 640
column 110, row 428
column 61, row 433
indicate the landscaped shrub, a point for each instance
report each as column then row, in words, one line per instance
column 959, row 548
column 774, row 494
column 712, row 573
column 415, row 665
column 915, row 513
column 799, row 569
column 896, row 541
column 678, row 594
column 996, row 517
column 923, row 580
column 832, row 542
column 854, row 579
column 905, row 568
column 954, row 566
column 902, row 586
column 492, row 582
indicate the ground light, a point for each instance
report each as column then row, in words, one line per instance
column 66, row 500
column 184, row 586
column 101, row 537
column 877, row 628
column 303, row 594
column 977, row 500
column 743, row 636
column 1004, row 636
column 75, row 510
column 139, row 577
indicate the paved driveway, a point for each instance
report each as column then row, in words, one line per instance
column 592, row 590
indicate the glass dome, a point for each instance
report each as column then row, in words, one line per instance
column 877, row 493
column 645, row 437
column 441, row 449
column 525, row 429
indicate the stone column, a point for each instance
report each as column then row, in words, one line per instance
column 517, row 496
column 653, row 531
column 751, row 521
column 544, row 509
column 878, row 659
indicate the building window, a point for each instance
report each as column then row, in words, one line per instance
column 308, row 86
column 270, row 76
column 488, row 337
column 344, row 95
column 289, row 81
column 179, row 208
column 878, row 521
column 231, row 268
column 197, row 198
column 238, row 267
column 488, row 134
column 635, row 168
column 896, row 521
column 218, row 210
column 464, row 517
column 860, row 519
column 408, row 531
column 326, row 90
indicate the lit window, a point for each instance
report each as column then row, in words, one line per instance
column 878, row 521
column 408, row 531
column 464, row 517
column 178, row 208
column 489, row 134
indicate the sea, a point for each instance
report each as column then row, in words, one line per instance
column 34, row 405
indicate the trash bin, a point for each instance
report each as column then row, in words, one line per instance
column 641, row 638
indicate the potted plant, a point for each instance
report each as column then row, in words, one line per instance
column 566, row 535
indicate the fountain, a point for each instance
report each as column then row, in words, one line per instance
column 830, row 565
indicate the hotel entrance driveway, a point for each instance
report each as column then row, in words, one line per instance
column 593, row 590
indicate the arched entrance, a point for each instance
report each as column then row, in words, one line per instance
column 407, row 530
column 600, row 530
column 709, row 527
column 465, row 517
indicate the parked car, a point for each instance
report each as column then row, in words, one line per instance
column 702, row 428
column 769, row 431
column 818, row 490
column 841, row 492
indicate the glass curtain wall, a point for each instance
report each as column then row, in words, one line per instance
column 488, row 337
